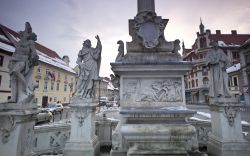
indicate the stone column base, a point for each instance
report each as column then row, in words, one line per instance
column 82, row 148
column 217, row 147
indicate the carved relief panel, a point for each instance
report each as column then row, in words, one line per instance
column 162, row 91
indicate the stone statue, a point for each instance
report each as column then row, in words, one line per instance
column 89, row 61
column 21, row 65
column 120, row 55
column 217, row 61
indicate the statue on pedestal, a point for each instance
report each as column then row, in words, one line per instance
column 218, row 62
column 20, row 66
column 89, row 61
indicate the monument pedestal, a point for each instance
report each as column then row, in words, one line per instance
column 158, row 132
column 153, row 111
column 226, row 138
column 83, row 140
column 17, row 123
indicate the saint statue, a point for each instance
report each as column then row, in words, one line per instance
column 218, row 62
column 21, row 65
column 89, row 61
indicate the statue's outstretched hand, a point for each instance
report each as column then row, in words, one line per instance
column 97, row 37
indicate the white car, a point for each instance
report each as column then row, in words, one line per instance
column 44, row 115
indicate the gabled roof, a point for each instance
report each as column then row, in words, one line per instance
column 46, row 55
column 39, row 47
column 230, row 39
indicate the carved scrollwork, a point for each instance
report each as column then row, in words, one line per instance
column 81, row 116
column 58, row 139
column 9, row 125
column 230, row 113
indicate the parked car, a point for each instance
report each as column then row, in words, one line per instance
column 44, row 115
column 55, row 107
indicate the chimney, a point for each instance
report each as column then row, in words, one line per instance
column 234, row 32
column 208, row 31
column 66, row 59
column 218, row 32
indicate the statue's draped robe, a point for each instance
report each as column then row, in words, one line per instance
column 218, row 61
column 89, row 64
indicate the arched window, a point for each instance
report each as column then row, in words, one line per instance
column 205, row 81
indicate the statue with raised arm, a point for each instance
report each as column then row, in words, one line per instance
column 89, row 61
column 218, row 61
column 21, row 65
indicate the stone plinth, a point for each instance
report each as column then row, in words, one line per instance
column 226, row 138
column 158, row 131
column 17, row 128
column 152, row 107
column 83, row 140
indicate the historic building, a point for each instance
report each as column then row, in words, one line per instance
column 197, row 80
column 245, row 69
column 55, row 78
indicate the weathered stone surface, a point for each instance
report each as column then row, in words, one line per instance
column 226, row 138
column 21, row 65
column 89, row 61
column 83, row 140
column 147, row 31
column 218, row 62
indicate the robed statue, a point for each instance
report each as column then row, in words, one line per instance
column 218, row 62
column 21, row 65
column 89, row 61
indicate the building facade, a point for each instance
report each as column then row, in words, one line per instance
column 55, row 78
column 197, row 80
column 245, row 69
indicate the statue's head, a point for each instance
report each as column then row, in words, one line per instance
column 87, row 43
column 27, row 34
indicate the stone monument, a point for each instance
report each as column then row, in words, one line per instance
column 83, row 140
column 226, row 138
column 17, row 116
column 152, row 93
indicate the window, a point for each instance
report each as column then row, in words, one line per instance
column 201, row 56
column 235, row 55
column 65, row 87
column 205, row 81
column 235, row 81
column 52, row 85
column 204, row 70
column 196, row 82
column 192, row 83
column 39, row 69
column 64, row 99
column 203, row 42
column 0, row 80
column 57, row 86
column 47, row 72
column 247, row 57
column 55, row 99
column 1, row 60
column 189, row 85
column 50, row 99
column 37, row 82
column 45, row 85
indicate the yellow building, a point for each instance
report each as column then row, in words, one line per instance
column 55, row 78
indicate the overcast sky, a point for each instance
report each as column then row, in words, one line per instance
column 62, row 25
